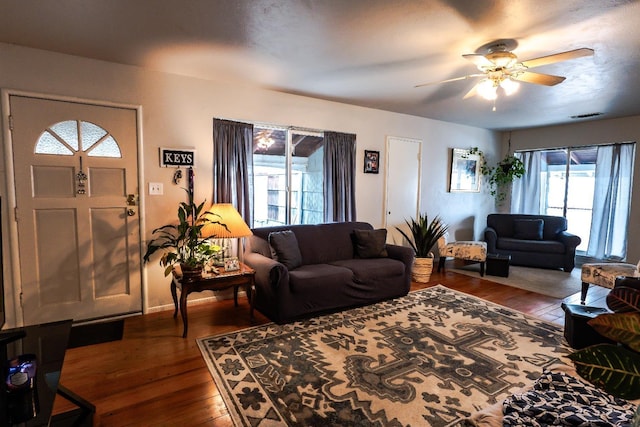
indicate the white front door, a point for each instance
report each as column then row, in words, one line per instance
column 403, row 185
column 76, row 183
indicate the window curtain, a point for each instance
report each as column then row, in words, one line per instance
column 525, row 193
column 611, row 202
column 339, row 177
column 233, row 165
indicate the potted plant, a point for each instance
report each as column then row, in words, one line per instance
column 615, row 368
column 501, row 175
column 182, row 243
column 423, row 236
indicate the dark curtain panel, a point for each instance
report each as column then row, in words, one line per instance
column 233, row 165
column 339, row 177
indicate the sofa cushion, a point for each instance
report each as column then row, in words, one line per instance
column 536, row 246
column 371, row 243
column 528, row 229
column 372, row 270
column 319, row 279
column 285, row 245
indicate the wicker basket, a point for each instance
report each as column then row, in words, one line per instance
column 422, row 268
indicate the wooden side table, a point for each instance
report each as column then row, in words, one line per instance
column 212, row 282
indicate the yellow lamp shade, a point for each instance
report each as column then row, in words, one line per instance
column 229, row 216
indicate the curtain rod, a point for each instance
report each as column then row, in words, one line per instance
column 274, row 126
column 570, row 147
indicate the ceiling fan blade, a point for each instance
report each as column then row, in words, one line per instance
column 539, row 78
column 450, row 80
column 472, row 92
column 479, row 60
column 551, row 59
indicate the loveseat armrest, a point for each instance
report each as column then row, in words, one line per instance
column 405, row 255
column 570, row 241
column 491, row 237
column 401, row 253
column 270, row 274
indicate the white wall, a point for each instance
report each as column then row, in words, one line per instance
column 178, row 111
column 588, row 133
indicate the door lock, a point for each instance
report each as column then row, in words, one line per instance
column 132, row 200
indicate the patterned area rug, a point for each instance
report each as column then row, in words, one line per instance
column 428, row 359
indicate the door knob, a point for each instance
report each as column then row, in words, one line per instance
column 131, row 212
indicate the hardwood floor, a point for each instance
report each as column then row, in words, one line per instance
column 154, row 377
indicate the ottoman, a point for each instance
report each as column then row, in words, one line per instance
column 577, row 331
column 498, row 265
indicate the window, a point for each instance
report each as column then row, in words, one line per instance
column 590, row 186
column 287, row 176
column 567, row 183
column 68, row 137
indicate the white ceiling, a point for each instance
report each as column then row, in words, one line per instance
column 365, row 52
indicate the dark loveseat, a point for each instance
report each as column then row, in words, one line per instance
column 532, row 240
column 328, row 272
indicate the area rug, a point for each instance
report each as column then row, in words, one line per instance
column 430, row 358
column 553, row 283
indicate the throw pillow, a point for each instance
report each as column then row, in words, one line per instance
column 286, row 247
column 528, row 229
column 371, row 243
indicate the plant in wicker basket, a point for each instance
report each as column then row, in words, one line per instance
column 615, row 368
column 422, row 237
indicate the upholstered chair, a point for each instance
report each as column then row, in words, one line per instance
column 465, row 249
column 604, row 274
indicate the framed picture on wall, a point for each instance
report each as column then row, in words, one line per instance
column 371, row 161
column 465, row 171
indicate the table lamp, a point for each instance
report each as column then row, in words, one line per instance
column 235, row 228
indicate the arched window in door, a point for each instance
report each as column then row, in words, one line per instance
column 71, row 136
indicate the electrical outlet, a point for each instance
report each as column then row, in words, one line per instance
column 156, row 189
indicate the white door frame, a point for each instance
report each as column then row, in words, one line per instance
column 13, row 287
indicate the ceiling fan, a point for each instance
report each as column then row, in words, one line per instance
column 499, row 67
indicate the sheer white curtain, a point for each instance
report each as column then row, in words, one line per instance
column 611, row 202
column 525, row 192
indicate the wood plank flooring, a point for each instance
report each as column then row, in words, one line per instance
column 154, row 377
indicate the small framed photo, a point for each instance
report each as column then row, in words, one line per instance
column 231, row 264
column 465, row 171
column 371, row 161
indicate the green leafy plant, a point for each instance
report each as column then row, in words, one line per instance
column 501, row 175
column 615, row 368
column 424, row 234
column 182, row 243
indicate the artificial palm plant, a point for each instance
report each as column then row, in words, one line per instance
column 423, row 236
column 183, row 243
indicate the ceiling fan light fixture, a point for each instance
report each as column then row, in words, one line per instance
column 509, row 86
column 502, row 59
column 488, row 89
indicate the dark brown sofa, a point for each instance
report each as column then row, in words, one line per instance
column 328, row 273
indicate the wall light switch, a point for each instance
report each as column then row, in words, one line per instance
column 156, row 189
